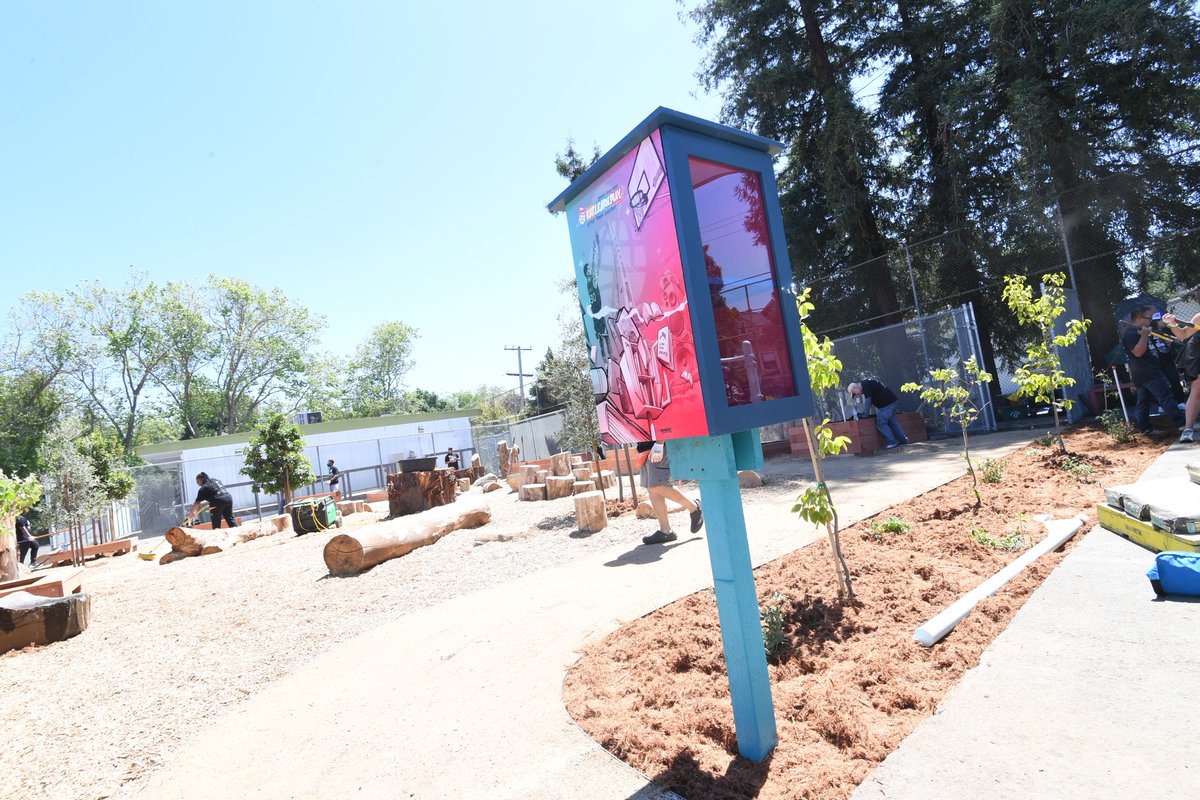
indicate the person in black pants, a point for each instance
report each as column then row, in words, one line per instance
column 219, row 501
column 25, row 541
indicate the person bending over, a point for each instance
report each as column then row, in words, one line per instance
column 219, row 501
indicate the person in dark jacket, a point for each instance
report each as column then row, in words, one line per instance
column 1153, row 388
column 219, row 501
column 25, row 541
column 885, row 402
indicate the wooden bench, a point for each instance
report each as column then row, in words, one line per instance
column 55, row 582
column 114, row 548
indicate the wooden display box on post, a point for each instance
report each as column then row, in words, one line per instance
column 694, row 339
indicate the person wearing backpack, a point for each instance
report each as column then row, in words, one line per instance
column 219, row 501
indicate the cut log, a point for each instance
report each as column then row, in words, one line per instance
column 197, row 542
column 583, row 486
column 528, row 474
column 476, row 463
column 559, row 486
column 9, row 569
column 533, row 491
column 542, row 474
column 27, row 619
column 464, row 485
column 576, row 461
column 414, row 492
column 608, row 478
column 349, row 554
column 514, row 481
column 502, row 456
column 489, row 486
column 560, row 464
column 590, row 513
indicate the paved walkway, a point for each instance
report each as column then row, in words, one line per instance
column 463, row 699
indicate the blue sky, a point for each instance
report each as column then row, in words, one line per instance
column 374, row 161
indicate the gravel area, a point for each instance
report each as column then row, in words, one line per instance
column 171, row 646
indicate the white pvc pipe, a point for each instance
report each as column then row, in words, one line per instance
column 1057, row 532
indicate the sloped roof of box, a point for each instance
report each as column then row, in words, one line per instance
column 660, row 117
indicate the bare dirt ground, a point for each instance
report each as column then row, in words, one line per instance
column 849, row 683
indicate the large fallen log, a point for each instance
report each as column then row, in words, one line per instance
column 196, row 542
column 351, row 553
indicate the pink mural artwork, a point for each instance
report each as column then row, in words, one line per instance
column 634, row 304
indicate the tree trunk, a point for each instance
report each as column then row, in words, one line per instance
column 349, row 554
column 191, row 542
column 414, row 492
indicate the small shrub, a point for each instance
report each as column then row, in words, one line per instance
column 891, row 525
column 1009, row 543
column 772, row 625
column 992, row 470
column 1115, row 426
column 1045, row 441
column 1079, row 468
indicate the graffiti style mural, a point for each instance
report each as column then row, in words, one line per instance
column 635, row 311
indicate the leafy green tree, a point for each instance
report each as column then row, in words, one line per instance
column 264, row 342
column 275, row 459
column 423, row 401
column 571, row 163
column 109, row 463
column 324, row 388
column 953, row 392
column 786, row 71
column 1041, row 377
column 72, row 491
column 119, row 346
column 379, row 367
column 29, row 408
column 192, row 350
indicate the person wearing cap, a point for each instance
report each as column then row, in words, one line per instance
column 1190, row 365
column 885, row 402
column 1147, row 373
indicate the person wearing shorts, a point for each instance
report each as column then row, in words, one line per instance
column 656, row 480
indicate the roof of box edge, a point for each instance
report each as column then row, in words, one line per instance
column 658, row 118
column 333, row 426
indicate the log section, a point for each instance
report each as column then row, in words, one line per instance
column 349, row 554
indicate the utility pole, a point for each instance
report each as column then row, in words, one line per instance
column 520, row 374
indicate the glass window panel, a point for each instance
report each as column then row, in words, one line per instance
column 741, row 281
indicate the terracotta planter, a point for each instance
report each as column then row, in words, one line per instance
column 864, row 436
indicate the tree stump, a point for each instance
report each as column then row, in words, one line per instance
column 576, row 461
column 560, row 464
column 542, row 474
column 348, row 554
column 9, row 571
column 464, row 485
column 414, row 492
column 608, row 478
column 590, row 513
column 533, row 491
column 559, row 486
column 502, row 455
column 528, row 473
column 580, row 487
column 582, row 473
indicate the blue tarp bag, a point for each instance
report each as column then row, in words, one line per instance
column 1176, row 572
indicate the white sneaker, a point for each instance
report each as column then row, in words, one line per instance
column 1187, row 435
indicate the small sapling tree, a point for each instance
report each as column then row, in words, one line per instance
column 953, row 392
column 815, row 504
column 275, row 458
column 1041, row 376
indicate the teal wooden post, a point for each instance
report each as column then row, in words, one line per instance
column 713, row 462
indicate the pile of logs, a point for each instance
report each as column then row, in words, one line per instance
column 566, row 475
